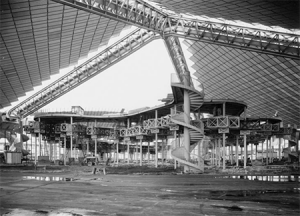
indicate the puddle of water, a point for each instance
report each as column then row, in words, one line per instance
column 250, row 193
column 57, row 212
column 47, row 178
column 277, row 178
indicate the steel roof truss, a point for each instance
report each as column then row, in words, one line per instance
column 143, row 15
column 84, row 72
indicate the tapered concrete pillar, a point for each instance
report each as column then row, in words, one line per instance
column 71, row 137
column 267, row 149
column 117, row 152
column 136, row 153
column 256, row 151
column 224, row 152
column 262, row 150
column 237, row 151
column 175, row 146
column 148, row 152
column 35, row 151
column 65, row 150
column 279, row 148
column 141, row 152
column 156, row 148
column 213, row 153
column 219, row 152
column 186, row 105
column 245, row 151
column 251, row 151
column 128, row 153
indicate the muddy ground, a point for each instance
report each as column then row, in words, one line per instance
column 133, row 190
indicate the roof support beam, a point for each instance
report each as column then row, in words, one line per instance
column 143, row 15
column 92, row 67
column 176, row 53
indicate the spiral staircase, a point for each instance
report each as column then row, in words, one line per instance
column 195, row 127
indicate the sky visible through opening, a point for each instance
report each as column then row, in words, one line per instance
column 137, row 81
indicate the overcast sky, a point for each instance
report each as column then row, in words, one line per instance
column 139, row 80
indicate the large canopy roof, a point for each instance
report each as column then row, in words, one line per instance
column 40, row 37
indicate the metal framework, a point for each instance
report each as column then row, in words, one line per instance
column 178, row 59
column 108, row 57
column 162, row 122
column 143, row 15
column 134, row 131
column 223, row 122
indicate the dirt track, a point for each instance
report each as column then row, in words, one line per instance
column 152, row 193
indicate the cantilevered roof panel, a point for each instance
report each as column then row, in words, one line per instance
column 266, row 83
column 284, row 13
column 40, row 37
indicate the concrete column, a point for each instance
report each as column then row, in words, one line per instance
column 71, row 138
column 237, row 151
column 65, row 150
column 162, row 152
column 118, row 152
column 279, row 148
column 186, row 105
column 40, row 142
column 128, row 147
column 156, row 149
column 95, row 146
column 87, row 147
column 59, row 149
column 267, row 149
column 224, row 151
column 231, row 153
column 212, row 153
column 136, row 152
column 224, row 147
column 262, row 150
column 128, row 152
column 54, row 151
column 219, row 152
column 141, row 152
column 175, row 146
column 256, row 152
column 251, row 151
column 245, row 151
column 148, row 152
column 35, row 151
column 271, row 150
column 95, row 139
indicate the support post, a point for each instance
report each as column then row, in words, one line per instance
column 256, row 151
column 162, row 152
column 71, row 138
column 237, row 151
column 231, row 154
column 245, row 151
column 267, row 149
column 251, row 151
column 224, row 152
column 279, row 149
column 40, row 140
column 148, row 152
column 141, row 152
column 65, row 150
column 128, row 153
column 156, row 149
column 118, row 152
column 219, row 152
column 35, row 151
column 262, row 151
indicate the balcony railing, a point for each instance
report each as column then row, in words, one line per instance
column 134, row 131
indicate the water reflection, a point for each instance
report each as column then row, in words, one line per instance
column 47, row 178
column 277, row 178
